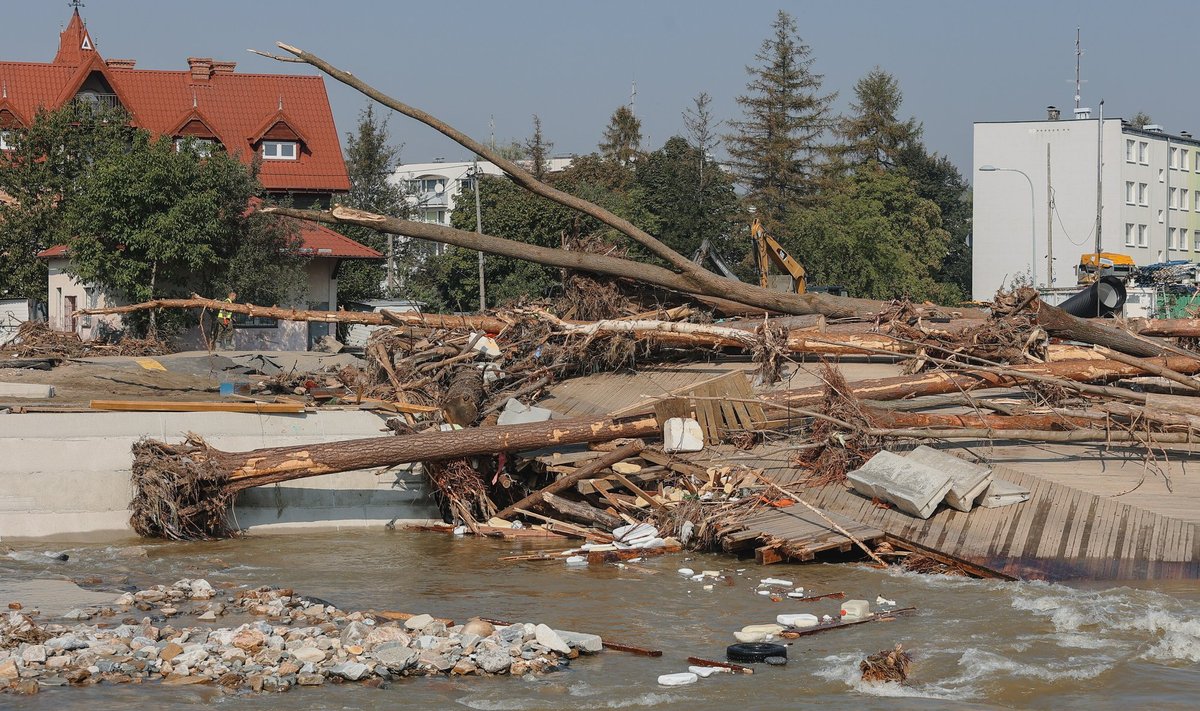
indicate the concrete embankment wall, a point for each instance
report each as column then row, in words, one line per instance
column 65, row 474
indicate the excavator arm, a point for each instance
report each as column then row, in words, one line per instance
column 767, row 250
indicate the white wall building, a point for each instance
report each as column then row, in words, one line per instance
column 1150, row 201
column 433, row 188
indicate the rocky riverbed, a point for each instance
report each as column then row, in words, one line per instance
column 172, row 634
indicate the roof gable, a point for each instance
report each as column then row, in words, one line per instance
column 9, row 118
column 195, row 124
column 278, row 128
column 90, row 66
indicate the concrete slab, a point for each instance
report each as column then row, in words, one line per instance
column 517, row 413
column 967, row 480
column 36, row 391
column 912, row 487
column 1003, row 493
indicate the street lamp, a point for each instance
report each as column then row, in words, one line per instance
column 1032, row 216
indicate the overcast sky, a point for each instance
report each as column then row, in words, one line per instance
column 573, row 63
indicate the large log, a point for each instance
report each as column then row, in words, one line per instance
column 1172, row 327
column 1050, row 421
column 1091, row 330
column 464, row 396
column 183, row 491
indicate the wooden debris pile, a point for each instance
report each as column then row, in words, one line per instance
column 35, row 339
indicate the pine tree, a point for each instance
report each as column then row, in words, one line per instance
column 538, row 149
column 623, row 137
column 873, row 132
column 370, row 158
column 776, row 150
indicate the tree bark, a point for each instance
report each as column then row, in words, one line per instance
column 1050, row 421
column 463, row 397
column 582, row 512
column 1172, row 327
column 1089, row 330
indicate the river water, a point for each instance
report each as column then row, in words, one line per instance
column 976, row 644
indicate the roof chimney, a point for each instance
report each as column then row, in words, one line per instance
column 1083, row 112
column 219, row 67
column 1052, row 113
column 1156, row 128
column 1185, row 134
column 202, row 68
column 120, row 63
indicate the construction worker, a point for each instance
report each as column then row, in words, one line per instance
column 225, row 325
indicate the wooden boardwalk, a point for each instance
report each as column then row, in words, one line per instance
column 1060, row 533
column 794, row 533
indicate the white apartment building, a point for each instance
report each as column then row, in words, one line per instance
column 433, row 188
column 1150, row 201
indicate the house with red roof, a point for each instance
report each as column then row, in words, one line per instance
column 284, row 120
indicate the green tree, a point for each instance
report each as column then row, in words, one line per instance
column 776, row 150
column 623, row 137
column 538, row 149
column 873, row 131
column 690, row 199
column 936, row 178
column 873, row 234
column 1141, row 120
column 154, row 221
column 40, row 173
column 370, row 159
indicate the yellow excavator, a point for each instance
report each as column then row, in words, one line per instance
column 766, row 250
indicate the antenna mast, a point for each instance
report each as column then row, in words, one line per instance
column 1078, row 54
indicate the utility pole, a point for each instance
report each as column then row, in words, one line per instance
column 1049, row 224
column 1099, row 184
column 479, row 231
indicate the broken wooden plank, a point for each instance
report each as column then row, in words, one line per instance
column 838, row 624
column 702, row 662
column 654, row 502
column 590, row 469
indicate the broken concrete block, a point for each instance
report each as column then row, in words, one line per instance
column 967, row 480
column 682, row 434
column 517, row 413
column 486, row 345
column 910, row 486
column 1003, row 493
column 35, row 391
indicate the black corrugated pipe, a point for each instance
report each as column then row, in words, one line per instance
column 1099, row 300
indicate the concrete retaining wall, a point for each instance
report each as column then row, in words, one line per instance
column 69, row 474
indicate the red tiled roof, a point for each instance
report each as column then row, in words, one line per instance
column 237, row 107
column 315, row 240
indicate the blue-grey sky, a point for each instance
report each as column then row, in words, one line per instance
column 572, row 63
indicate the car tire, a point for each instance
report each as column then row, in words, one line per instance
column 754, row 652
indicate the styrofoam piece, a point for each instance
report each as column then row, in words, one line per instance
column 1003, row 493
column 801, row 619
column 967, row 479
column 679, row 679
column 912, row 487
column 682, row 434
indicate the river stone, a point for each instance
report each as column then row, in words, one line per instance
column 310, row 679
column 464, row 667
column 309, row 655
column 208, row 616
column 201, row 590
column 417, row 622
column 582, row 641
column 427, row 642
column 435, row 659
column 477, row 626
column 436, row 628
column 397, row 658
column 512, row 634
column 467, row 641
column 34, row 653
column 8, row 669
column 550, row 639
column 249, row 640
column 191, row 657
column 76, row 614
column 67, row 643
column 387, row 633
column 352, row 671
column 355, row 632
column 493, row 659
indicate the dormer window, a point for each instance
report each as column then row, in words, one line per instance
column 202, row 147
column 6, row 143
column 280, row 150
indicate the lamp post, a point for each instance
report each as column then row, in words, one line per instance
column 1032, row 216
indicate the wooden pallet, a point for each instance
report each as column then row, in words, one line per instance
column 795, row 533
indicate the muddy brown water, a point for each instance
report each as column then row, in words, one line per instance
column 976, row 644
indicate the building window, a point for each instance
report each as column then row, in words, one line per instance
column 1143, row 194
column 1171, row 238
column 1172, row 195
column 1143, row 153
column 244, row 321
column 1183, row 198
column 1196, row 195
column 5, row 141
column 202, row 147
column 1142, row 230
column 1183, row 239
column 1173, row 160
column 1129, row 234
column 1129, row 192
column 1183, row 159
column 1160, row 217
column 279, row 150
column 1129, row 147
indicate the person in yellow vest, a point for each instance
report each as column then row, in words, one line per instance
column 225, row 325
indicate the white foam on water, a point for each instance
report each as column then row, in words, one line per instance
column 647, row 699
column 980, row 664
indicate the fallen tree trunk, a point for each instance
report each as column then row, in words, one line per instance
column 1049, row 421
column 464, row 396
column 184, row 491
column 944, row 381
column 1172, row 328
column 1089, row 330
column 695, row 278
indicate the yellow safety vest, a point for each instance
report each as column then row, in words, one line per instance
column 223, row 314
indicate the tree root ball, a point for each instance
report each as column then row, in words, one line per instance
column 888, row 665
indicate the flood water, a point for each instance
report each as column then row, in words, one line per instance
column 976, row 644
